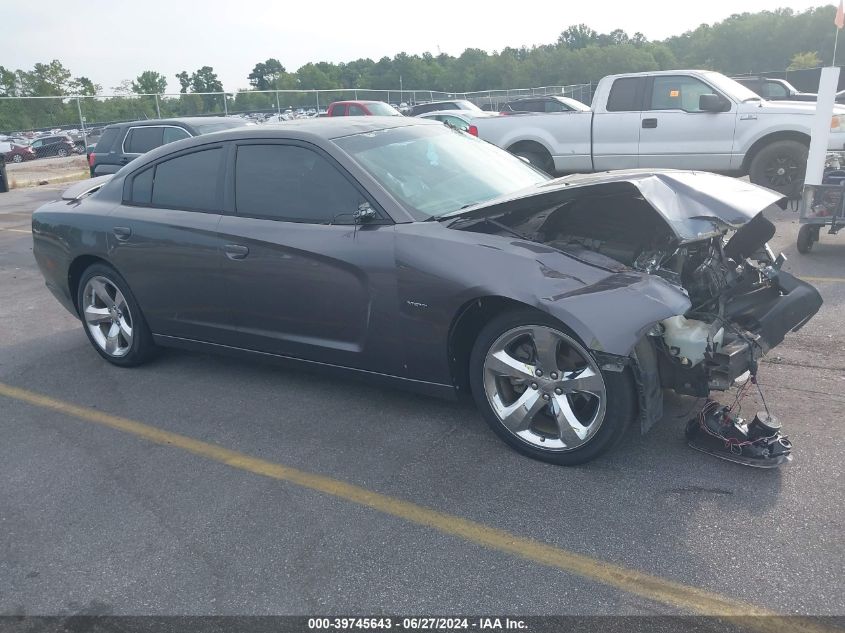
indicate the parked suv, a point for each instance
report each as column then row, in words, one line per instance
column 362, row 108
column 775, row 89
column 549, row 103
column 58, row 145
column 123, row 142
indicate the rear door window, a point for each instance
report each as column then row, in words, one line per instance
column 189, row 181
column 140, row 140
column 626, row 95
column 355, row 110
column 774, row 90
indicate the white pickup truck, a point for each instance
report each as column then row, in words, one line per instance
column 686, row 119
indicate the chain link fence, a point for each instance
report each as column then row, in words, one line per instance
column 83, row 117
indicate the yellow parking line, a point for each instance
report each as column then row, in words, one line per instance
column 638, row 583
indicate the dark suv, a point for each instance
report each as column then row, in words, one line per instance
column 59, row 145
column 775, row 89
column 550, row 103
column 123, row 142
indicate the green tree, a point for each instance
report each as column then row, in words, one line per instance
column 184, row 81
column 149, row 82
column 266, row 75
column 205, row 80
column 84, row 86
column 44, row 80
column 577, row 36
column 808, row 59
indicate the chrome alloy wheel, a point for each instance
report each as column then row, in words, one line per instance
column 545, row 388
column 107, row 316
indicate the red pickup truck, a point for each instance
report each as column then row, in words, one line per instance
column 362, row 108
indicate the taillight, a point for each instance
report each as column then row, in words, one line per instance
column 473, row 130
column 91, row 158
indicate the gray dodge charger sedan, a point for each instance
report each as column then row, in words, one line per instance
column 404, row 252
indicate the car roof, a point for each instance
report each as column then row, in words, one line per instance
column 357, row 101
column 469, row 114
column 186, row 120
column 320, row 128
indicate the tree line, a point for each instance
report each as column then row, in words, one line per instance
column 742, row 43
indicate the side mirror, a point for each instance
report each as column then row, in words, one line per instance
column 364, row 213
column 713, row 103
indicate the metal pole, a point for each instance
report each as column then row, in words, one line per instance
column 278, row 107
column 158, row 110
column 317, row 94
column 82, row 124
column 225, row 106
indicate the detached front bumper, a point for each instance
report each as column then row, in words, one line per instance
column 762, row 319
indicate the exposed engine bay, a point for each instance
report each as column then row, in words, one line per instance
column 742, row 303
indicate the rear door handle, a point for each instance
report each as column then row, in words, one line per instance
column 649, row 123
column 122, row 232
column 235, row 251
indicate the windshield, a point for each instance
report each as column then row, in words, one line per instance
column 732, row 88
column 434, row 170
column 382, row 109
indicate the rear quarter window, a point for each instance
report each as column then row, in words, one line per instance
column 106, row 141
column 140, row 140
column 626, row 95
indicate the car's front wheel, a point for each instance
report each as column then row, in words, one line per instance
column 17, row 158
column 112, row 317
column 543, row 392
column 62, row 152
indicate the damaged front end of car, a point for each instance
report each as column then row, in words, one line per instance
column 705, row 235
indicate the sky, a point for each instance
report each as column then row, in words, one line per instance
column 109, row 41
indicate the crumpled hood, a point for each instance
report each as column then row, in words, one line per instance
column 694, row 204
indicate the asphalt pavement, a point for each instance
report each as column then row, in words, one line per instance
column 244, row 488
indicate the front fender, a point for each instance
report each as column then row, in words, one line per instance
column 442, row 271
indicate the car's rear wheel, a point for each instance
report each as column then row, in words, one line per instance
column 112, row 317
column 543, row 392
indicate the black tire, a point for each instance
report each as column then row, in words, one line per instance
column 17, row 158
column 538, row 160
column 621, row 398
column 61, row 152
column 780, row 166
column 142, row 347
column 807, row 235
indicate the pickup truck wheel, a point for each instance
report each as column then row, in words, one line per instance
column 780, row 166
column 538, row 160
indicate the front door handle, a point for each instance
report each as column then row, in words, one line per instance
column 122, row 232
column 647, row 123
column 235, row 251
